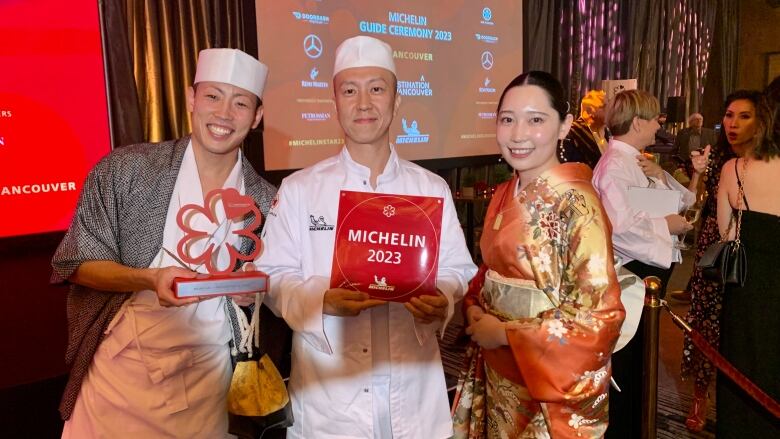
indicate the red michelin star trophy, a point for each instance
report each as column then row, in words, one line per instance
column 387, row 245
column 219, row 282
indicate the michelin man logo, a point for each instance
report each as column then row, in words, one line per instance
column 411, row 134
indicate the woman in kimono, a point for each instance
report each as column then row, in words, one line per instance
column 544, row 312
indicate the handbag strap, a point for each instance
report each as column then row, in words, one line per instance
column 740, row 196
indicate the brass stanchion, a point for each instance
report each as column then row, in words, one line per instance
column 650, row 315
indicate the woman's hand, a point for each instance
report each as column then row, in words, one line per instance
column 651, row 168
column 487, row 331
column 700, row 158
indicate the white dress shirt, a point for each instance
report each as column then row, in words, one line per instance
column 377, row 374
column 636, row 235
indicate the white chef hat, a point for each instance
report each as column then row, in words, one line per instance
column 363, row 51
column 231, row 66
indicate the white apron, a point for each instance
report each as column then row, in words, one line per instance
column 164, row 372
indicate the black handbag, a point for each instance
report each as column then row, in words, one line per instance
column 725, row 262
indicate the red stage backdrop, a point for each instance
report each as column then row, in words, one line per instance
column 53, row 111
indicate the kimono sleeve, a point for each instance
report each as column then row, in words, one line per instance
column 94, row 231
column 564, row 354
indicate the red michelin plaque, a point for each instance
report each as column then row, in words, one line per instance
column 387, row 245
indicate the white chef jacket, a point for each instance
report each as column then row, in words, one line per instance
column 337, row 371
column 164, row 371
column 635, row 235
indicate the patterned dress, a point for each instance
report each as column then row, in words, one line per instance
column 706, row 296
column 552, row 379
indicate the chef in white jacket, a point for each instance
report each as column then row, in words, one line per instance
column 361, row 368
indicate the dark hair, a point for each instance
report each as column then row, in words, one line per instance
column 763, row 148
column 548, row 83
column 772, row 92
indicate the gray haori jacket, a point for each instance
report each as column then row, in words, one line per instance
column 121, row 217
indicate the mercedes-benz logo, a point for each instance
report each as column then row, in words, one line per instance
column 487, row 14
column 312, row 46
column 487, row 60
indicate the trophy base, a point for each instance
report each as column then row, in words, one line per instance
column 206, row 285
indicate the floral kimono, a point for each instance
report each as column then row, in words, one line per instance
column 549, row 273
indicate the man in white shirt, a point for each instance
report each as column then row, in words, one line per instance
column 646, row 243
column 361, row 368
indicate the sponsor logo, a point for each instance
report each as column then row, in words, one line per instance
column 311, row 18
column 312, row 46
column 388, row 211
column 315, row 117
column 487, row 17
column 486, row 87
column 487, row 115
column 486, row 38
column 380, row 284
column 312, row 83
column 415, row 88
column 487, row 60
column 319, row 224
column 411, row 133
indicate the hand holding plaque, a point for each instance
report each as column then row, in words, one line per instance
column 221, row 209
column 387, row 245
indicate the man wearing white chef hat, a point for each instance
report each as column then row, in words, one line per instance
column 361, row 367
column 144, row 363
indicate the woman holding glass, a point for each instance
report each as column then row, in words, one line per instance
column 706, row 295
column 749, row 208
column 544, row 311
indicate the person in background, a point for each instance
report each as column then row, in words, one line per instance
column 646, row 243
column 361, row 367
column 143, row 362
column 542, row 370
column 705, row 295
column 694, row 137
column 749, row 204
column 663, row 137
column 588, row 135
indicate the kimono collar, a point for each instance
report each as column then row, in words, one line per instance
column 563, row 173
column 388, row 174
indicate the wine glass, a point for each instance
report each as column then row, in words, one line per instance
column 691, row 215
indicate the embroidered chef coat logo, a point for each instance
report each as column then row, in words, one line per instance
column 380, row 284
column 318, row 224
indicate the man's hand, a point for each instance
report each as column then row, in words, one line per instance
column 651, row 168
column 248, row 298
column 163, row 285
column 487, row 331
column 677, row 224
column 700, row 158
column 347, row 303
column 427, row 309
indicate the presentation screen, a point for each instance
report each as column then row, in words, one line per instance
column 453, row 58
column 53, row 113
